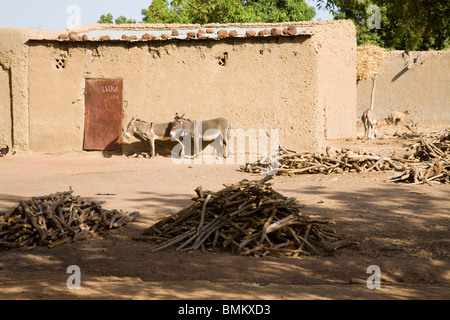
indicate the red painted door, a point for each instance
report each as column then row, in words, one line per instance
column 103, row 116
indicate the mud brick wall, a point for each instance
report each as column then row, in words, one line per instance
column 303, row 85
column 423, row 89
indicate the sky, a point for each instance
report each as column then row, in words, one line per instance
column 62, row 14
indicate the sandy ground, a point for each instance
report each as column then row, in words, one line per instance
column 403, row 229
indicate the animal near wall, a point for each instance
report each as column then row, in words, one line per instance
column 302, row 84
column 417, row 82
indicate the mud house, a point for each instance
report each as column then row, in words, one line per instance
column 70, row 91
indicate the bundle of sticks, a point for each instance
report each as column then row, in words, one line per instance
column 55, row 219
column 435, row 146
column 433, row 154
column 425, row 172
column 247, row 217
column 429, row 162
column 292, row 163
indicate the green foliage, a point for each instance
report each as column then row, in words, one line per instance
column 161, row 12
column 218, row 11
column 106, row 18
column 405, row 24
column 123, row 19
column 109, row 19
column 279, row 11
column 221, row 11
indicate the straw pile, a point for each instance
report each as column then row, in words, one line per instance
column 368, row 62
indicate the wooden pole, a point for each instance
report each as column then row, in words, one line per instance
column 372, row 95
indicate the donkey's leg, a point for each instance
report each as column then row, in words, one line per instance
column 224, row 143
column 372, row 131
column 152, row 148
column 217, row 141
column 182, row 147
column 366, row 131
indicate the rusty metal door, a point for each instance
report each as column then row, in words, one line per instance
column 103, row 116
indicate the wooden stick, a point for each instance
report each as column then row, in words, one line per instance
column 378, row 161
column 266, row 225
column 173, row 241
column 202, row 215
column 33, row 221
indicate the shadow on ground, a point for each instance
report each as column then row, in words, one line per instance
column 403, row 230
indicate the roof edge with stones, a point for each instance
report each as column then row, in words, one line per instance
column 144, row 31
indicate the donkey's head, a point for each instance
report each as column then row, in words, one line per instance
column 131, row 128
column 177, row 124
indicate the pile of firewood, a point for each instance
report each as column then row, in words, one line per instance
column 432, row 154
column 55, row 219
column 248, row 217
column 426, row 172
column 293, row 163
column 430, row 161
column 435, row 146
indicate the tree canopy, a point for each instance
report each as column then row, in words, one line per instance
column 400, row 24
column 404, row 24
column 222, row 11
column 109, row 19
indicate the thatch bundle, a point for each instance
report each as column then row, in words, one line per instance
column 368, row 61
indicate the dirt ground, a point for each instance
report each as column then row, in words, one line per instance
column 402, row 229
